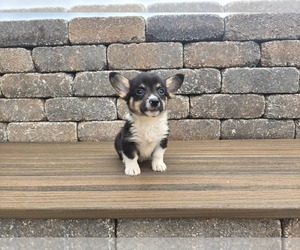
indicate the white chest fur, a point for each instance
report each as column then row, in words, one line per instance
column 148, row 133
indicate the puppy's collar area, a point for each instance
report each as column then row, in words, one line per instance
column 133, row 117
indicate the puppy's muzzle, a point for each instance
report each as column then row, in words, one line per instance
column 154, row 102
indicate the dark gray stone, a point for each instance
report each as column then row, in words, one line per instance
column 260, row 80
column 184, row 28
column 3, row 132
column 261, row 27
column 221, row 54
column 69, row 58
column 97, row 30
column 291, row 228
column 33, row 33
column 97, row 83
column 283, row 106
column 36, row 85
column 145, row 56
column 42, row 132
column 182, row 7
column 257, row 129
column 57, row 228
column 187, row 129
column 199, row 228
column 15, row 60
column 12, row 110
column 197, row 81
column 265, row 6
column 280, row 53
column 81, row 109
column 99, row 131
column 222, row 106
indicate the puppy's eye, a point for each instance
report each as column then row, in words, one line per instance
column 140, row 92
column 161, row 91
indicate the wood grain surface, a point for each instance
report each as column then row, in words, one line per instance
column 220, row 179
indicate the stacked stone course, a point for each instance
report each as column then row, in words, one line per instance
column 242, row 76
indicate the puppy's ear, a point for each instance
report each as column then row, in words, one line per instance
column 120, row 83
column 173, row 83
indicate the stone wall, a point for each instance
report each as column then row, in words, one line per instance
column 241, row 75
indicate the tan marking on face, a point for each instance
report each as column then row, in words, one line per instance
column 135, row 105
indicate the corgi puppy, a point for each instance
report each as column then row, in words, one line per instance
column 145, row 133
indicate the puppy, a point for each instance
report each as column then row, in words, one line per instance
column 145, row 133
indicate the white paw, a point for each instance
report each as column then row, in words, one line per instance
column 159, row 166
column 132, row 170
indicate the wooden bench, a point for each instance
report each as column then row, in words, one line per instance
column 218, row 179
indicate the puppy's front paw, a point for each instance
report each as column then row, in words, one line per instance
column 132, row 169
column 159, row 166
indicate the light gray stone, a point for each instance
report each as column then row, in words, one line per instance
column 12, row 110
column 187, row 129
column 197, row 81
column 97, row 30
column 99, row 131
column 199, row 228
column 260, row 80
column 280, row 53
column 262, row 27
column 81, row 109
column 184, row 28
column 97, row 83
column 36, row 85
column 42, row 132
column 186, row 6
column 58, row 228
column 222, row 106
column 69, row 58
column 33, row 33
column 221, row 54
column 3, row 132
column 257, row 129
column 145, row 56
column 283, row 106
column 109, row 8
column 15, row 60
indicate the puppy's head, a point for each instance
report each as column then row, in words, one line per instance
column 147, row 93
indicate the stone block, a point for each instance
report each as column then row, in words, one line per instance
column 145, row 56
column 33, row 33
column 42, row 132
column 178, row 107
column 283, row 106
column 15, row 60
column 221, row 54
column 197, row 81
column 223, row 106
column 262, row 27
column 39, row 10
column 55, row 228
column 69, row 58
column 103, row 30
column 297, row 129
column 12, row 110
column 264, row 6
column 109, row 8
column 199, row 228
column 97, row 83
column 186, row 129
column 35, row 85
column 260, row 80
column 99, row 131
column 3, row 132
column 280, row 53
column 257, row 129
column 183, row 7
column 81, row 109
column 184, row 28
column 291, row 228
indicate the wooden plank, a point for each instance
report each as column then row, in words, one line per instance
column 224, row 179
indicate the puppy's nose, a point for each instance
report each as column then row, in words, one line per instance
column 154, row 103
